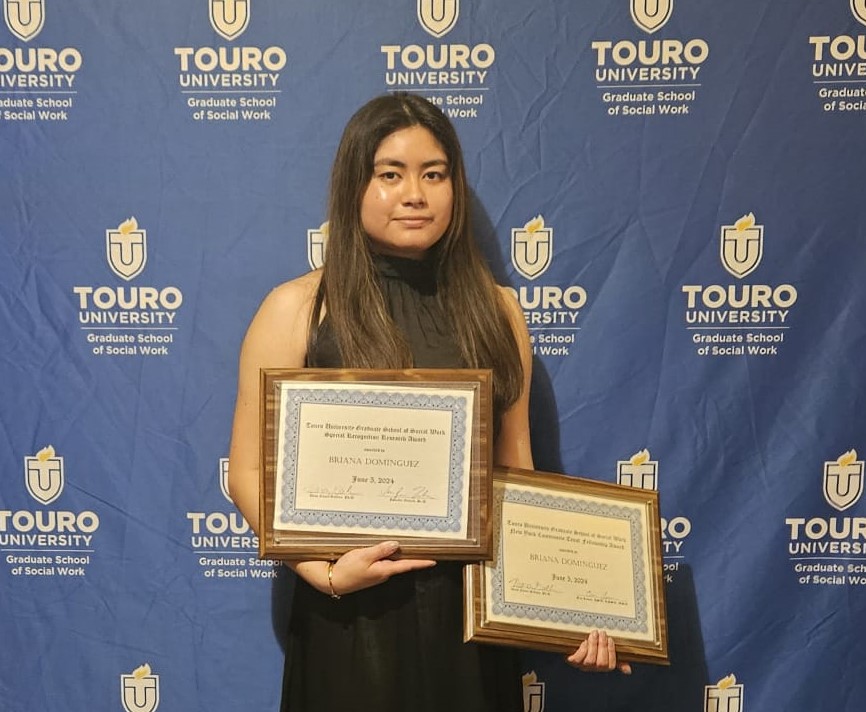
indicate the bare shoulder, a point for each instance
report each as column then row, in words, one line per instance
column 290, row 301
column 278, row 331
column 294, row 295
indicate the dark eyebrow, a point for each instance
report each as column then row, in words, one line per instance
column 399, row 164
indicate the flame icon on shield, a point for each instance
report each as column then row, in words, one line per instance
column 724, row 696
column 843, row 481
column 126, row 249
column 742, row 246
column 532, row 248
column 638, row 471
column 139, row 692
column 43, row 475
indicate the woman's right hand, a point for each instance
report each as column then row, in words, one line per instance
column 358, row 569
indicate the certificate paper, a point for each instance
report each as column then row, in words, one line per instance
column 377, row 459
column 570, row 556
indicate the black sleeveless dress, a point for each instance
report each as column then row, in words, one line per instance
column 396, row 647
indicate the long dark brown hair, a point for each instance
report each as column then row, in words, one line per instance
column 364, row 331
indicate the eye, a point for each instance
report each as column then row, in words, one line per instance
column 436, row 176
column 389, row 176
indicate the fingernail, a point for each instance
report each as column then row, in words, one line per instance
column 392, row 546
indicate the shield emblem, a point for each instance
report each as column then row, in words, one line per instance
column 224, row 477
column 531, row 252
column 641, row 476
column 843, row 484
column 727, row 699
column 139, row 694
column 438, row 17
column 741, row 250
column 229, row 18
column 317, row 246
column 858, row 7
column 126, row 252
column 651, row 15
column 533, row 697
column 24, row 17
column 44, row 478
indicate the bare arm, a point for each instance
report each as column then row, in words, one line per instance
column 512, row 447
column 277, row 338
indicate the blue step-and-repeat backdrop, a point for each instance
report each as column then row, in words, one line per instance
column 673, row 188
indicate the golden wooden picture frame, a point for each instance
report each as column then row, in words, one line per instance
column 566, row 520
column 362, row 393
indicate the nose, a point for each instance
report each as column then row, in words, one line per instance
column 413, row 191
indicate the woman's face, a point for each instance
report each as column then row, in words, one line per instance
column 406, row 207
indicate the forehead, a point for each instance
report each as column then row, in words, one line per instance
column 413, row 142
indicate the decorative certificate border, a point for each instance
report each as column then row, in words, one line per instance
column 546, row 614
column 292, row 401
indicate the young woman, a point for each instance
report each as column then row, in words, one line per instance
column 404, row 285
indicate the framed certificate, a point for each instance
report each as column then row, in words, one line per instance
column 570, row 555
column 354, row 457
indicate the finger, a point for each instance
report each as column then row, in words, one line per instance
column 624, row 668
column 579, row 655
column 591, row 648
column 611, row 654
column 600, row 660
column 401, row 566
column 377, row 552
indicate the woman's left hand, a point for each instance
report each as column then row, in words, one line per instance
column 597, row 654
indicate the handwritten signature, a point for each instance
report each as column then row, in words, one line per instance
column 402, row 494
column 335, row 491
column 517, row 585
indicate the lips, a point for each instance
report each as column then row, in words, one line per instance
column 414, row 221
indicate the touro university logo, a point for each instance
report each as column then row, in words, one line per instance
column 533, row 693
column 858, row 7
column 43, row 474
column 24, row 18
column 317, row 246
column 638, row 471
column 126, row 249
column 139, row 691
column 724, row 696
column 229, row 18
column 438, row 17
column 236, row 83
column 843, row 481
column 453, row 76
column 47, row 541
column 532, row 248
column 742, row 246
column 745, row 319
column 652, row 15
